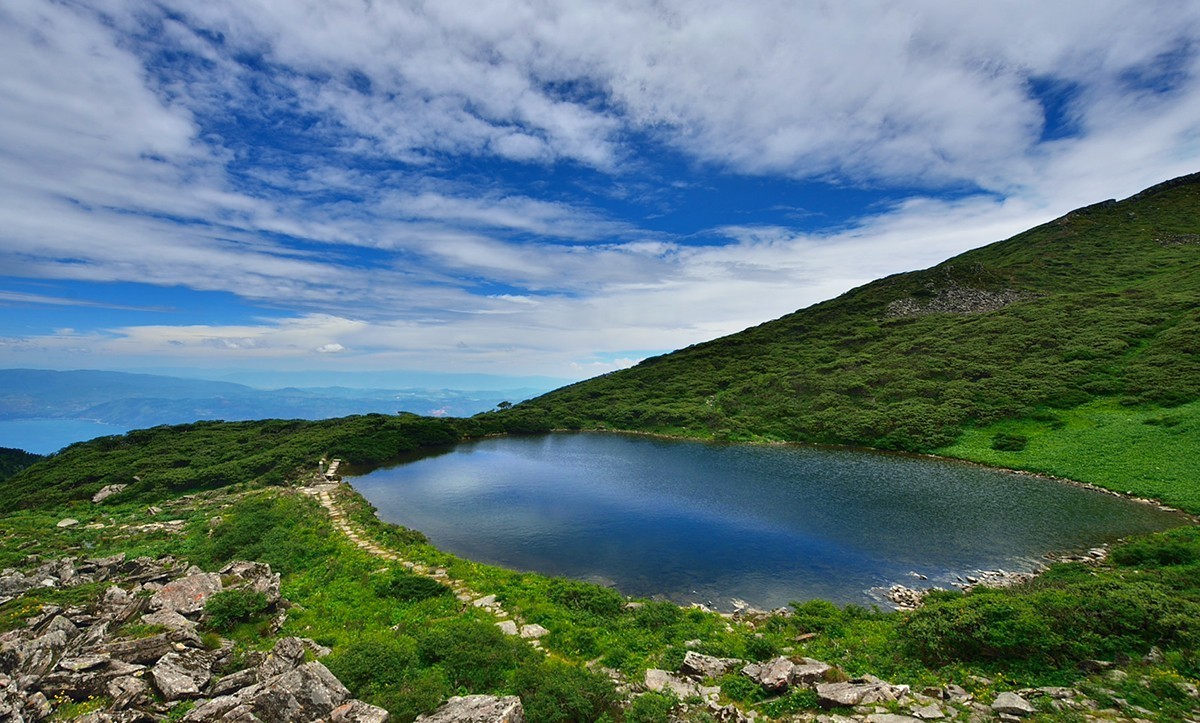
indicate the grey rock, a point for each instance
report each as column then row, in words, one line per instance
column 357, row 711
column 659, row 680
column 168, row 619
column 187, row 595
column 809, row 672
column 235, row 681
column 508, row 627
column 286, row 655
column 698, row 665
column 1012, row 704
column 861, row 691
column 304, row 693
column 32, row 657
column 140, row 650
column 255, row 576
column 478, row 709
column 891, row 718
column 84, row 662
column 183, row 674
column 89, row 682
column 929, row 712
column 126, row 691
column 534, row 631
column 67, row 522
column 773, row 675
column 107, row 491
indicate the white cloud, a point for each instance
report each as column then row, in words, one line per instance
column 113, row 166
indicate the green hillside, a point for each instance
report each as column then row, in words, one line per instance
column 1096, row 309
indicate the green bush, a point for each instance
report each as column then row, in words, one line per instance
column 408, row 587
column 554, row 692
column 476, row 655
column 586, row 597
column 225, row 609
column 1004, row 442
column 650, row 708
column 375, row 663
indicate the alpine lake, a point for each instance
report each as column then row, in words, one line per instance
column 711, row 523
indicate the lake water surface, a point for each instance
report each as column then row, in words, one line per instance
column 708, row 523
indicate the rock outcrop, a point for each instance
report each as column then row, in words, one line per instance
column 477, row 709
column 80, row 653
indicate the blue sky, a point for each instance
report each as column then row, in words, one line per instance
column 537, row 189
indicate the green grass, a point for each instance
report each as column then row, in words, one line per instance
column 1145, row 451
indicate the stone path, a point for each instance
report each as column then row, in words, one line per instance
column 323, row 490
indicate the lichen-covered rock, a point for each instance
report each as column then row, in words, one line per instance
column 659, row 680
column 773, row 675
column 699, row 665
column 1012, row 704
column 860, row 691
column 254, row 576
column 183, row 674
column 478, row 709
column 286, row 655
column 357, row 711
column 534, row 631
column 187, row 595
column 809, row 671
column 107, row 491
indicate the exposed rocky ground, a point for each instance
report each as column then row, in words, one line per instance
column 956, row 299
column 136, row 654
column 868, row 699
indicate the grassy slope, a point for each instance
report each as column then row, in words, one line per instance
column 1108, row 317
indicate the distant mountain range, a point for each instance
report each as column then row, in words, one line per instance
column 146, row 400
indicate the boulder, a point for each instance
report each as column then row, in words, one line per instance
column 860, row 691
column 357, row 711
column 92, row 681
column 477, row 709
column 659, row 680
column 773, row 675
column 183, row 674
column 533, row 630
column 286, row 655
column 187, row 595
column 809, row 672
column 1012, row 704
column 698, row 665
column 126, row 691
column 508, row 627
column 140, row 650
column 235, row 681
column 891, row 718
column 67, row 522
column 107, row 491
column 33, row 657
column 255, row 576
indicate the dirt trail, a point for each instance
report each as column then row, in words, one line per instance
column 323, row 489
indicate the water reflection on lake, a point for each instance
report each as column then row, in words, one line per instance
column 708, row 523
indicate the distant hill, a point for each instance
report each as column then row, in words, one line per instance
column 14, row 460
column 1101, row 306
column 145, row 400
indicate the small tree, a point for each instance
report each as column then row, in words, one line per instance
column 504, row 405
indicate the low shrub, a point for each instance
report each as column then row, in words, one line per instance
column 227, row 608
column 1004, row 442
column 407, row 587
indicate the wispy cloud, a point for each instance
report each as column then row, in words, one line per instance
column 498, row 184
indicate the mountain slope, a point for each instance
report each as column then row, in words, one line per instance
column 1100, row 304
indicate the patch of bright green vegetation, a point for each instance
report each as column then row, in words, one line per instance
column 1144, row 451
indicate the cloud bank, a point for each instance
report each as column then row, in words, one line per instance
column 527, row 187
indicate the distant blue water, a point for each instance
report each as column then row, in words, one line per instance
column 708, row 523
column 43, row 436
